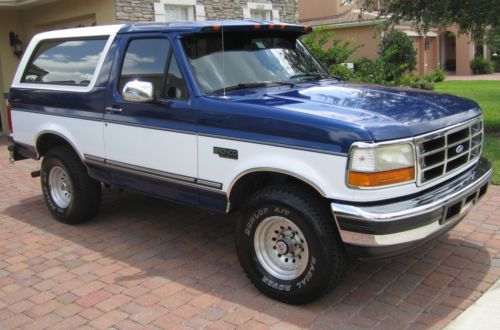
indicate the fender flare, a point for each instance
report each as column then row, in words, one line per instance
column 272, row 170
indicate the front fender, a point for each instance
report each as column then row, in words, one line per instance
column 323, row 171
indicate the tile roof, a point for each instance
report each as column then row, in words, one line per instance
column 353, row 16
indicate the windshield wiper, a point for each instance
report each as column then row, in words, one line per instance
column 244, row 85
column 309, row 76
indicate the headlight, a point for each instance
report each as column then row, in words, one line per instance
column 380, row 166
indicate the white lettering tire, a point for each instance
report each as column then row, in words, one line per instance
column 288, row 245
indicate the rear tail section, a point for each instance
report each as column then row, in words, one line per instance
column 9, row 117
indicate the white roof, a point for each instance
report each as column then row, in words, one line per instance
column 102, row 30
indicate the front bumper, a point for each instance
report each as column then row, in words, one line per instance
column 390, row 229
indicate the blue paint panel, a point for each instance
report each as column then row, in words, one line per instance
column 85, row 105
column 213, row 201
column 330, row 115
column 187, row 195
column 179, row 193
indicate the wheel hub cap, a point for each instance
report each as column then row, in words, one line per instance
column 60, row 186
column 281, row 248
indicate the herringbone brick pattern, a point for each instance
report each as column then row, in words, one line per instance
column 146, row 263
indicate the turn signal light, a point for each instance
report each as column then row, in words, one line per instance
column 384, row 178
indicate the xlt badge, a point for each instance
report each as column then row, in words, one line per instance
column 226, row 153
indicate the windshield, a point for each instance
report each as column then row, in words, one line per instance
column 250, row 59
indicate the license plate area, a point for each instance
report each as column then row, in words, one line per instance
column 463, row 205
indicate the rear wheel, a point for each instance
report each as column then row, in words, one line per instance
column 288, row 245
column 69, row 193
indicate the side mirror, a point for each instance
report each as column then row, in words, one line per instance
column 138, row 91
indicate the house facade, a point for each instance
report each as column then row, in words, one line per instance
column 20, row 20
column 442, row 48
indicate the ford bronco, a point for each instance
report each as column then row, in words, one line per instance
column 239, row 117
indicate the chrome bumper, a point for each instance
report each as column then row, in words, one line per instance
column 389, row 229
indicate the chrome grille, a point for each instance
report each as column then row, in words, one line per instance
column 448, row 151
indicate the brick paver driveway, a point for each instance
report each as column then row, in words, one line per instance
column 146, row 263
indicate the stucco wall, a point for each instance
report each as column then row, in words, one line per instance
column 35, row 19
column 309, row 9
column 369, row 36
column 464, row 53
column 9, row 21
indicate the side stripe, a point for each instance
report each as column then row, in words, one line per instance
column 139, row 170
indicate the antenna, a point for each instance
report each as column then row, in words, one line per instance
column 223, row 61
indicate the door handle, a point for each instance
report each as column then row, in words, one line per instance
column 113, row 110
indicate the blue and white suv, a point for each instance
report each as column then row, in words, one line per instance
column 237, row 116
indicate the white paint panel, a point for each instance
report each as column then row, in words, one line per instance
column 327, row 172
column 322, row 170
column 85, row 135
column 155, row 149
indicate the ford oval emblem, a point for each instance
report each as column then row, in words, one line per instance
column 459, row 149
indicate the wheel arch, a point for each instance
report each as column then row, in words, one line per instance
column 48, row 139
column 252, row 180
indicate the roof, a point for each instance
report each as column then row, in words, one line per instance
column 350, row 17
column 198, row 26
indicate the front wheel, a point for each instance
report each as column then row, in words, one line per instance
column 288, row 245
column 70, row 194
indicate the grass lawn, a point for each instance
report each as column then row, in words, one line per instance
column 487, row 94
column 492, row 153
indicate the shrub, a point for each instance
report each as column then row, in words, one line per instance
column 369, row 71
column 423, row 84
column 481, row 66
column 435, row 76
column 341, row 71
column 438, row 75
column 397, row 54
column 329, row 50
column 410, row 80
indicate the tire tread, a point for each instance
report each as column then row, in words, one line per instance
column 299, row 198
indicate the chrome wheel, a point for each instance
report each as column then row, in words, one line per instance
column 281, row 248
column 60, row 186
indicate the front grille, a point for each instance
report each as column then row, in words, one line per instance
column 442, row 153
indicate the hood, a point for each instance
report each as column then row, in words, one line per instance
column 329, row 116
column 385, row 113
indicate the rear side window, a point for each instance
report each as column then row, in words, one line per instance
column 65, row 62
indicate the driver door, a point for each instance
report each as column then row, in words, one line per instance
column 150, row 144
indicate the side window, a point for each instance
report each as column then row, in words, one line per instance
column 145, row 60
column 175, row 86
column 65, row 62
